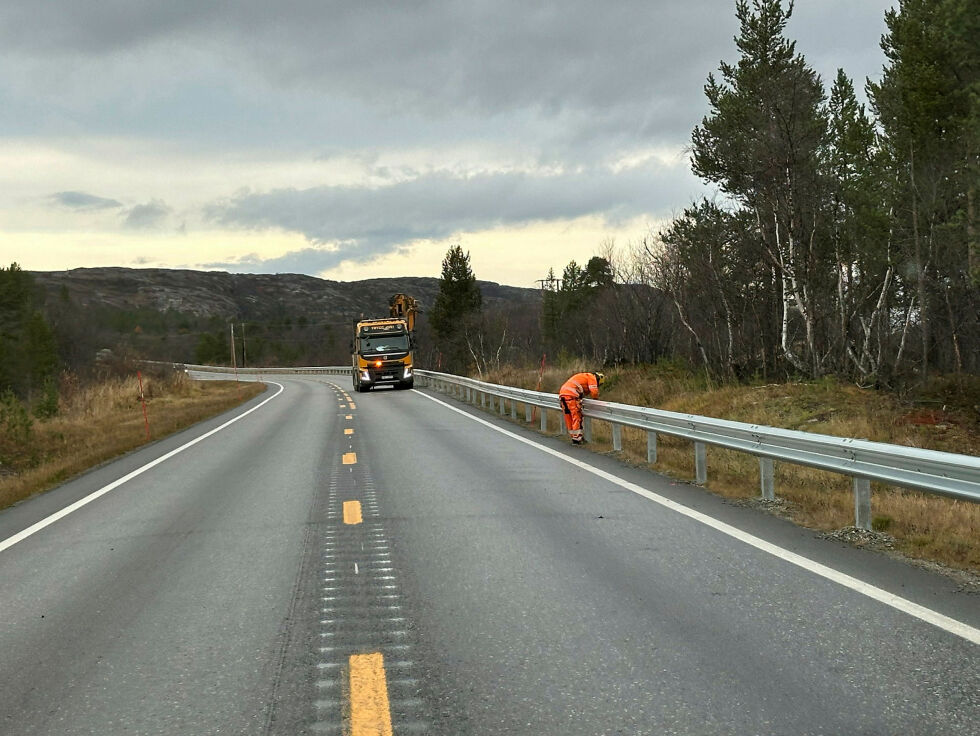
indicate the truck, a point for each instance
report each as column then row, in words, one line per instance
column 383, row 350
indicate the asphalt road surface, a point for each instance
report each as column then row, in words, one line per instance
column 398, row 562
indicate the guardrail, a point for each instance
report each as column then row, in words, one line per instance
column 945, row 473
column 328, row 370
column 957, row 476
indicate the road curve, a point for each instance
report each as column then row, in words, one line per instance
column 385, row 563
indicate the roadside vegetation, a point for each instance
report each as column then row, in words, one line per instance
column 94, row 422
column 942, row 415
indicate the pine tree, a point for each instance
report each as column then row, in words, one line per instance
column 761, row 145
column 28, row 352
column 456, row 312
column 864, row 266
column 927, row 107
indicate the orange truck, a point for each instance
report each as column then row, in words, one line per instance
column 383, row 350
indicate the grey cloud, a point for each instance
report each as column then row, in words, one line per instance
column 83, row 201
column 66, row 26
column 428, row 59
column 574, row 75
column 306, row 260
column 147, row 216
column 360, row 223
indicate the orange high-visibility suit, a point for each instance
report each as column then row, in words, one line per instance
column 578, row 387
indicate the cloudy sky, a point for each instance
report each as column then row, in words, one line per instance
column 359, row 139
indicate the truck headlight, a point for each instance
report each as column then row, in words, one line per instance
column 365, row 376
column 408, row 371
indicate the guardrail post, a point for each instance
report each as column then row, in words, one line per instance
column 767, row 478
column 651, row 447
column 617, row 434
column 483, row 400
column 544, row 419
column 503, row 406
column 587, row 427
column 700, row 463
column 862, row 503
column 513, row 410
column 528, row 410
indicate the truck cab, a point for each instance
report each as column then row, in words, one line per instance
column 382, row 354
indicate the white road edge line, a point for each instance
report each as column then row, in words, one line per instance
column 47, row 521
column 922, row 613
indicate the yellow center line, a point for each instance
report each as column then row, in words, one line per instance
column 370, row 714
column 352, row 512
column 349, row 416
column 350, row 458
column 342, row 405
column 352, row 405
column 348, row 431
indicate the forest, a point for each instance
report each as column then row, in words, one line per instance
column 842, row 240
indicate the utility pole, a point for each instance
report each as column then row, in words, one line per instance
column 244, row 364
column 234, row 359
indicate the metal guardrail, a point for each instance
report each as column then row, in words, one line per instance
column 945, row 473
column 949, row 474
column 328, row 370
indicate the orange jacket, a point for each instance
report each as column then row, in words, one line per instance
column 580, row 386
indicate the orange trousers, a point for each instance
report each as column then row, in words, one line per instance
column 571, row 407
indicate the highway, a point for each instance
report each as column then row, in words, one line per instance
column 326, row 562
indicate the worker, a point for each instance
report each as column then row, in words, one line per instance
column 578, row 387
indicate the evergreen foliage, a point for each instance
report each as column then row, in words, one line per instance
column 566, row 308
column 29, row 361
column 843, row 243
column 455, row 314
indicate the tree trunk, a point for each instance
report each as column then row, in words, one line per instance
column 920, row 271
column 973, row 248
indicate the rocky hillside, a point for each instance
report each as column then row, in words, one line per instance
column 234, row 297
column 179, row 315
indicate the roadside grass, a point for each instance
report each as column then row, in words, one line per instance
column 941, row 416
column 101, row 421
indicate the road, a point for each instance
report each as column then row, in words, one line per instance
column 398, row 562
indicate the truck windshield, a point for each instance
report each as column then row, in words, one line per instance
column 384, row 344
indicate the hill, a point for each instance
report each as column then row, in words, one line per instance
column 234, row 297
column 168, row 314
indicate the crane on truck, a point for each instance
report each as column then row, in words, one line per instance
column 402, row 306
column 383, row 350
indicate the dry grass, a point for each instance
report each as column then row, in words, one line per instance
column 924, row 526
column 99, row 422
